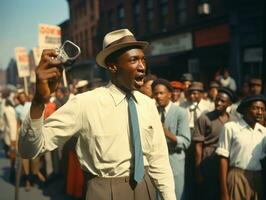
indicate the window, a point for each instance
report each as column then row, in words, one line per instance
column 136, row 16
column 181, row 11
column 120, row 16
column 149, row 15
column 110, row 20
column 163, row 12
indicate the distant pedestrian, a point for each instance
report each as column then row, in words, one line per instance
column 178, row 89
column 227, row 81
column 255, row 86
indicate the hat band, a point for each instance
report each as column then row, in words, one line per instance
column 125, row 39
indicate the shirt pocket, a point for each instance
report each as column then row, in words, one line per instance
column 147, row 136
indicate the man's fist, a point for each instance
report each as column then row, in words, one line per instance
column 48, row 75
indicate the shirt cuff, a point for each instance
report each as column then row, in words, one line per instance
column 31, row 126
column 222, row 152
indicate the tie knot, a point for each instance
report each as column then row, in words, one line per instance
column 130, row 97
column 161, row 109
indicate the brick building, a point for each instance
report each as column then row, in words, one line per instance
column 199, row 36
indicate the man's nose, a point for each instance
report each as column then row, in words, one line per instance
column 260, row 111
column 141, row 65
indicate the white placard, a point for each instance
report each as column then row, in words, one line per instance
column 36, row 55
column 22, row 59
column 49, row 36
column 172, row 44
column 34, row 58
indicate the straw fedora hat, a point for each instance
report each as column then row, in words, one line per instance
column 116, row 40
column 196, row 86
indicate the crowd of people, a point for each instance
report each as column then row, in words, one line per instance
column 193, row 117
column 202, row 142
column 15, row 105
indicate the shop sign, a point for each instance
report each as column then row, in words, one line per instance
column 172, row 44
column 214, row 35
column 253, row 54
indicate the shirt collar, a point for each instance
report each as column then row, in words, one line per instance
column 119, row 95
column 243, row 124
column 258, row 126
column 167, row 108
column 201, row 105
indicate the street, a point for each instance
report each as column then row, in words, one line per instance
column 52, row 191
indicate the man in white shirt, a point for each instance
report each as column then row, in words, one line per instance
column 113, row 142
column 195, row 106
column 241, row 147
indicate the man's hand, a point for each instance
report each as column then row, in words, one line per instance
column 48, row 75
column 169, row 135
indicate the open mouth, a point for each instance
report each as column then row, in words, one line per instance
column 139, row 79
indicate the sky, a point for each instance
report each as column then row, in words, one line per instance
column 19, row 20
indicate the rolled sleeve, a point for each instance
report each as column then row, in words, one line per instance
column 223, row 148
column 200, row 129
column 30, row 138
column 222, row 152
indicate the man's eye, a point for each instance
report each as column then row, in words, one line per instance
column 133, row 60
column 144, row 60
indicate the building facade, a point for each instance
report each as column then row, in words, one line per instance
column 196, row 36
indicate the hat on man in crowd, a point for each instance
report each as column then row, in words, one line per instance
column 186, row 77
column 177, row 85
column 248, row 100
column 229, row 93
column 161, row 81
column 115, row 41
column 214, row 84
column 196, row 86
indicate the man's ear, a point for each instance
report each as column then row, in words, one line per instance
column 112, row 68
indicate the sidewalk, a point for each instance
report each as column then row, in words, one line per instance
column 52, row 191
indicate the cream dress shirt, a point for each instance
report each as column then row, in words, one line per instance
column 100, row 118
column 242, row 145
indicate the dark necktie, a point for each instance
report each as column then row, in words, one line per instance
column 162, row 111
column 135, row 135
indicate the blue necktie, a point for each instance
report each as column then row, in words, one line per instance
column 135, row 135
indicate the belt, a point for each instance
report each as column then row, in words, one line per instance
column 247, row 172
column 89, row 176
